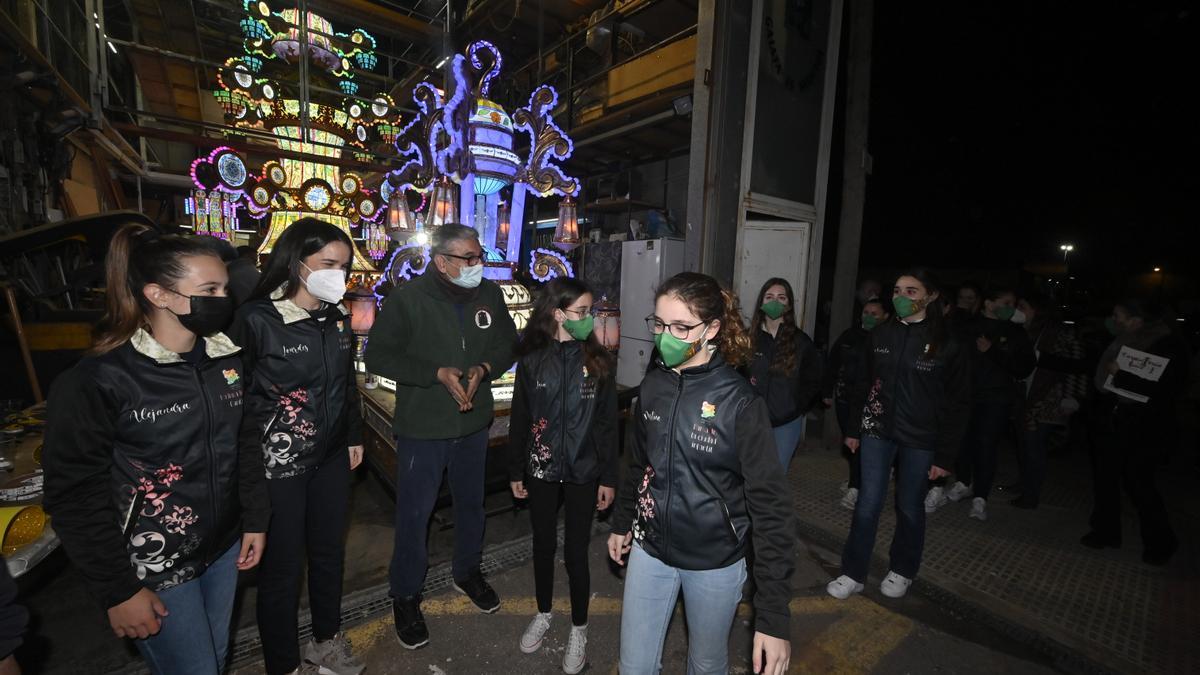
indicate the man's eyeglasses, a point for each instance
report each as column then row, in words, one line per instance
column 679, row 330
column 471, row 260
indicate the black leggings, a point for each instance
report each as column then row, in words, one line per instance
column 580, row 507
column 308, row 514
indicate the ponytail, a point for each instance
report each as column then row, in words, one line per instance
column 709, row 301
column 139, row 255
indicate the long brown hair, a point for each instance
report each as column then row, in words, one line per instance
column 542, row 327
column 784, row 361
column 139, row 255
column 708, row 301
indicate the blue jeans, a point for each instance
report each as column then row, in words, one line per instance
column 710, row 599
column 419, row 467
column 787, row 437
column 912, row 472
column 194, row 639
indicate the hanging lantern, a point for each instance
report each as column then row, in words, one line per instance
column 362, row 310
column 400, row 221
column 444, row 208
column 608, row 324
column 566, row 235
column 502, row 215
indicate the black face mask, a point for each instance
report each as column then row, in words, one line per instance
column 209, row 313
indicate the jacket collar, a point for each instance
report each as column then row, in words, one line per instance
column 290, row 311
column 215, row 346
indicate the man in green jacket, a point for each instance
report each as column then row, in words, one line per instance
column 442, row 337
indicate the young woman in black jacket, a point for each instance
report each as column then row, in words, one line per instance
column 703, row 479
column 912, row 398
column 785, row 368
column 563, row 443
column 302, row 417
column 143, row 477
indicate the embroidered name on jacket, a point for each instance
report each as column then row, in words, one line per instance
column 151, row 415
column 651, row 416
column 298, row 349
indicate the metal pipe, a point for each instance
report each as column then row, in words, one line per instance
column 632, row 126
column 302, row 14
column 23, row 341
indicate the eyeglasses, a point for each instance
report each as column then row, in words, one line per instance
column 679, row 330
column 471, row 260
column 581, row 312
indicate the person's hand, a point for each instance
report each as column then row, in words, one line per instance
column 9, row 666
column 253, row 544
column 450, row 378
column 851, row 443
column 982, row 343
column 475, row 375
column 771, row 654
column 356, row 455
column 604, row 497
column 1068, row 406
column 518, row 489
column 138, row 617
column 936, row 472
column 619, row 545
column 1113, row 368
column 827, row 402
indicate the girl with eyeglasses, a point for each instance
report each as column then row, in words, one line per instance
column 563, row 445
column 702, row 469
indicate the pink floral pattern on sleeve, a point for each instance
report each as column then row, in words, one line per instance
column 873, row 411
column 539, row 455
column 646, row 507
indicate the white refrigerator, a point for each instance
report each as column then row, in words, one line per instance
column 645, row 265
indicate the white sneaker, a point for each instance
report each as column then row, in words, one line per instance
column 575, row 658
column 843, row 587
column 978, row 509
column 935, row 499
column 958, row 491
column 850, row 498
column 531, row 641
column 894, row 585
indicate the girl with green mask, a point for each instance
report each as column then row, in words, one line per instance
column 562, row 445
column 702, row 467
column 785, row 367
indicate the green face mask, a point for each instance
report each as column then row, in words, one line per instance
column 869, row 321
column 1004, row 312
column 774, row 309
column 675, row 351
column 580, row 329
column 905, row 306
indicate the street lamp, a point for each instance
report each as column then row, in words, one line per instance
column 1066, row 249
column 1157, row 269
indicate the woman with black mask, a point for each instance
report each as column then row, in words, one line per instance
column 302, row 416
column 144, row 481
column 1134, row 412
column 785, row 368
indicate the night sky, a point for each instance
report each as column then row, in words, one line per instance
column 1000, row 130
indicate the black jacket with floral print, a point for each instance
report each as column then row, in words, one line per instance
column 563, row 424
column 908, row 392
column 704, row 478
column 143, row 476
column 302, row 400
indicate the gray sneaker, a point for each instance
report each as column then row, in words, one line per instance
column 333, row 656
column 575, row 658
column 531, row 641
column 306, row 669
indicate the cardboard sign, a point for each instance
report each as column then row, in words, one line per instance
column 1141, row 364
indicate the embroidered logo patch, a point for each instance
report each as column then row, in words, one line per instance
column 483, row 319
column 585, row 372
column 708, row 410
column 231, row 376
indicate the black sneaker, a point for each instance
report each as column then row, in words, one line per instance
column 410, row 623
column 480, row 592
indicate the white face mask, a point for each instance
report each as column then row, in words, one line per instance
column 469, row 277
column 326, row 285
column 1019, row 316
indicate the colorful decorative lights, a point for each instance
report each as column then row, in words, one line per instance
column 566, row 233
column 547, row 264
column 502, row 226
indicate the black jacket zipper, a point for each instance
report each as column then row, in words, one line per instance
column 325, row 394
column 670, row 470
column 212, row 459
column 562, row 426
